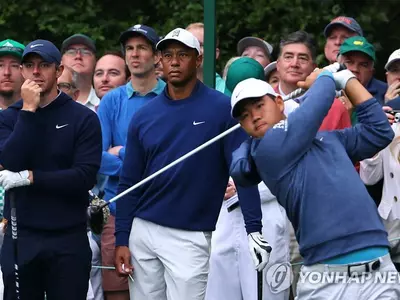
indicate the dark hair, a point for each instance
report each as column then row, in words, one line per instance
column 300, row 37
column 119, row 54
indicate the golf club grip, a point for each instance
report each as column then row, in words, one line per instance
column 259, row 285
column 14, row 234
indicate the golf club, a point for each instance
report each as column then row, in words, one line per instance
column 14, row 234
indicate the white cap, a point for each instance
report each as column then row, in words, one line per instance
column 183, row 36
column 249, row 88
column 395, row 56
column 269, row 68
column 253, row 41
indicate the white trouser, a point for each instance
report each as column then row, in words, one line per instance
column 232, row 271
column 364, row 287
column 95, row 273
column 168, row 263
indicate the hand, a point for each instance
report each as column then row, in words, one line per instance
column 30, row 94
column 115, row 150
column 341, row 78
column 346, row 102
column 11, row 180
column 390, row 117
column 333, row 68
column 259, row 250
column 230, row 190
column 123, row 261
column 310, row 79
column 393, row 91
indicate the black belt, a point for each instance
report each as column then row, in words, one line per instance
column 233, row 206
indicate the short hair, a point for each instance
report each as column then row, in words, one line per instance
column 118, row 54
column 228, row 64
column 74, row 77
column 199, row 25
column 300, row 37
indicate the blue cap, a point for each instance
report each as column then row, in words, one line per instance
column 350, row 23
column 45, row 49
column 146, row 31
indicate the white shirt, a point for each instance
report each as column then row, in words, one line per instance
column 386, row 164
column 290, row 105
column 92, row 101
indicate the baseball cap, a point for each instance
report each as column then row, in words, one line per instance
column 183, row 36
column 249, row 88
column 269, row 68
column 146, row 31
column 11, row 47
column 395, row 56
column 78, row 38
column 241, row 69
column 359, row 44
column 349, row 23
column 253, row 41
column 45, row 49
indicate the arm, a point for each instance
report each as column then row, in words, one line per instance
column 249, row 197
column 129, row 176
column 111, row 165
column 373, row 132
column 81, row 177
column 371, row 169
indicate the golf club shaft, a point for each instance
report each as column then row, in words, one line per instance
column 14, row 234
column 259, row 285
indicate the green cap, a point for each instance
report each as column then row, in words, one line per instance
column 358, row 44
column 11, row 47
column 241, row 69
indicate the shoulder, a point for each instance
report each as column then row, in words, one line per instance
column 377, row 84
column 11, row 112
column 114, row 94
column 395, row 103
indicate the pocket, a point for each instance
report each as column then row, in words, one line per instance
column 207, row 235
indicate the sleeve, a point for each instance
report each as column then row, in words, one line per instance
column 249, row 197
column 110, row 164
column 86, row 162
column 16, row 141
column 135, row 156
column 371, row 169
column 370, row 135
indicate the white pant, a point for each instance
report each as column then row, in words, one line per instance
column 232, row 271
column 168, row 263
column 363, row 289
column 95, row 274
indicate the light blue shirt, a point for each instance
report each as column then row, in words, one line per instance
column 115, row 113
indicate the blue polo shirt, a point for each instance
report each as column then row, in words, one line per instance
column 115, row 113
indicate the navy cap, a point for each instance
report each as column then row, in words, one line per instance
column 347, row 22
column 146, row 31
column 45, row 49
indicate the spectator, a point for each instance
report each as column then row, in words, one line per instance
column 197, row 29
column 271, row 75
column 338, row 30
column 227, row 65
column 10, row 73
column 392, row 96
column 54, row 145
column 255, row 48
column 110, row 72
column 67, row 83
column 115, row 112
column 79, row 53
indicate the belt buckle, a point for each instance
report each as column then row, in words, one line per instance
column 369, row 267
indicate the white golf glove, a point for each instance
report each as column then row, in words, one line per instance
column 333, row 68
column 259, row 250
column 11, row 180
column 341, row 79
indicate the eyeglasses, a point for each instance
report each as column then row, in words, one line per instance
column 65, row 86
column 82, row 51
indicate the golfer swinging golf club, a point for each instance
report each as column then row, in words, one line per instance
column 312, row 174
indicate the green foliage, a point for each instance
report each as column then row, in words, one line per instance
column 105, row 20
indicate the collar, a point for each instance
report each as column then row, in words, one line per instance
column 159, row 87
column 280, row 90
column 92, row 100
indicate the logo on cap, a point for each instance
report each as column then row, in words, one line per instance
column 342, row 19
column 358, row 43
column 175, row 33
column 36, row 45
column 8, row 44
column 137, row 26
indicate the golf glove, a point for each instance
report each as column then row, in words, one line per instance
column 259, row 250
column 11, row 180
column 333, row 68
column 341, row 79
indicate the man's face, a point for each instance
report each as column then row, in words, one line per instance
column 80, row 59
column 360, row 64
column 180, row 63
column 109, row 73
column 10, row 75
column 140, row 56
column 199, row 34
column 393, row 74
column 295, row 63
column 273, row 79
column 257, row 116
column 335, row 39
column 257, row 54
column 41, row 72
column 65, row 84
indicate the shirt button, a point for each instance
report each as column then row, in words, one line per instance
column 391, row 175
column 395, row 199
